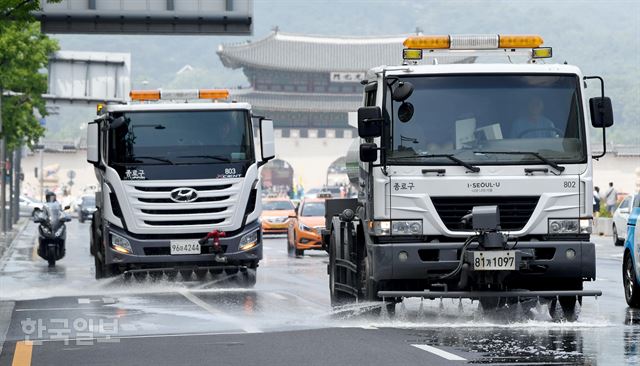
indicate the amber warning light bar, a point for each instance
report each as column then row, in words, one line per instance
column 189, row 94
column 474, row 42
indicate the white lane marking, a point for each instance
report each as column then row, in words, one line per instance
column 196, row 300
column 84, row 301
column 439, row 352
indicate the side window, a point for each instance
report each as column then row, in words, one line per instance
column 625, row 202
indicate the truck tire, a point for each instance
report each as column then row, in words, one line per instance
column 92, row 240
column 104, row 270
column 630, row 281
column 369, row 288
column 99, row 268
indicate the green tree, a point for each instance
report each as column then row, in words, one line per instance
column 19, row 9
column 24, row 52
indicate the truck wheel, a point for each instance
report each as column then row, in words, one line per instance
column 104, row 270
column 99, row 268
column 92, row 242
column 630, row 280
column 369, row 288
column 616, row 239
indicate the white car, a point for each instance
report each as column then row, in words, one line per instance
column 29, row 206
column 620, row 219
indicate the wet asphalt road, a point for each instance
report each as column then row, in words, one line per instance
column 71, row 319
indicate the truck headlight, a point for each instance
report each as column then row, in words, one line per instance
column 564, row 226
column 120, row 244
column 249, row 241
column 586, row 226
column 396, row 227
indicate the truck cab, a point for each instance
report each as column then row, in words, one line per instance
column 473, row 177
column 174, row 168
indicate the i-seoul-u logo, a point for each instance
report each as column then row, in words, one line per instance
column 184, row 195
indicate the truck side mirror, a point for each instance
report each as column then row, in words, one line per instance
column 601, row 112
column 369, row 122
column 267, row 138
column 368, row 152
column 93, row 138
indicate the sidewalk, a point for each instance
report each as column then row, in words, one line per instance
column 6, row 239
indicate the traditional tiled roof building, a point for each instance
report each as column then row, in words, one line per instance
column 305, row 82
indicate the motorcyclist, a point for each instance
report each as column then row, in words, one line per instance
column 50, row 197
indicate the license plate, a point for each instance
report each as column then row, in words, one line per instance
column 179, row 247
column 495, row 260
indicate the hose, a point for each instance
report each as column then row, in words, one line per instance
column 466, row 244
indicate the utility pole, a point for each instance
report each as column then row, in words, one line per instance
column 3, row 198
column 17, row 169
column 9, row 219
column 41, row 172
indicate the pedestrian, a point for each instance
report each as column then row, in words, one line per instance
column 596, row 200
column 611, row 198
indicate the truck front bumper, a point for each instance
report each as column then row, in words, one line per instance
column 155, row 252
column 544, row 260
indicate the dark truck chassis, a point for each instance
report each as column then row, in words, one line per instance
column 351, row 277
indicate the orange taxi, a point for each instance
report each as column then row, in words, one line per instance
column 275, row 215
column 305, row 227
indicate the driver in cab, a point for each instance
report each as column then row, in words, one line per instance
column 534, row 124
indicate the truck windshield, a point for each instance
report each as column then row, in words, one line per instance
column 181, row 137
column 464, row 115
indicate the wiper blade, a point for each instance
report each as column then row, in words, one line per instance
column 213, row 157
column 551, row 163
column 463, row 163
column 154, row 158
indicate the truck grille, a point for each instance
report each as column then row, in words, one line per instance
column 515, row 211
column 153, row 206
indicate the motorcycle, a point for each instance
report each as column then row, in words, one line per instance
column 52, row 232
